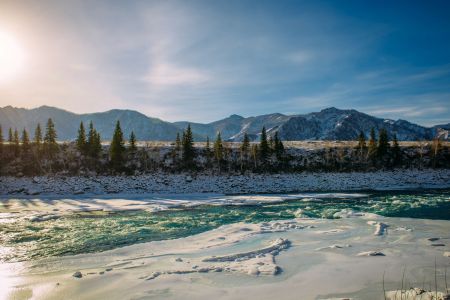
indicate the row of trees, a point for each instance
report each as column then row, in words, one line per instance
column 268, row 153
column 43, row 145
column 378, row 148
column 44, row 154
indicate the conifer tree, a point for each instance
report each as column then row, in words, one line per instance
column 50, row 145
column 90, row 144
column 245, row 147
column 16, row 143
column 10, row 136
column 372, row 144
column 271, row 144
column 117, row 148
column 361, row 142
column 383, row 142
column 38, row 135
column 396, row 150
column 278, row 146
column 81, row 139
column 264, row 146
column 218, row 150
column 93, row 144
column 96, row 147
column 25, row 141
column 188, row 148
column 133, row 146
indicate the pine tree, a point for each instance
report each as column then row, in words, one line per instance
column 92, row 134
column 218, row 150
column 396, row 150
column 245, row 147
column 96, row 147
column 278, row 146
column 93, row 144
column 10, row 136
column 188, row 148
column 117, row 148
column 50, row 145
column 361, row 141
column 38, row 135
column 264, row 149
column 372, row 144
column 81, row 139
column 271, row 144
column 133, row 146
column 16, row 143
column 25, row 141
column 383, row 142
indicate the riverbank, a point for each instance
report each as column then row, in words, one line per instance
column 163, row 183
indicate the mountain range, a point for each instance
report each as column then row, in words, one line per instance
column 328, row 124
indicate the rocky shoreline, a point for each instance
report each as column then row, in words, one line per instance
column 163, row 183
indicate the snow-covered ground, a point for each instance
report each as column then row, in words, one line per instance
column 162, row 183
column 295, row 259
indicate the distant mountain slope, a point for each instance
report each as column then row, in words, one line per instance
column 336, row 124
column 67, row 123
column 328, row 124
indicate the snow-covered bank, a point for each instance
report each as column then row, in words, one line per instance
column 162, row 183
column 294, row 259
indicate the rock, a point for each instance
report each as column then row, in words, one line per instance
column 77, row 274
column 32, row 192
column 371, row 253
column 188, row 178
column 179, row 259
column 78, row 192
column 438, row 245
column 109, row 269
column 203, row 270
column 433, row 239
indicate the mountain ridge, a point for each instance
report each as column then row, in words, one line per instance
column 328, row 124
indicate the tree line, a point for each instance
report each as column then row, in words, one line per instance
column 41, row 154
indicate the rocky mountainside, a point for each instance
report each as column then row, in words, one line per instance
column 328, row 124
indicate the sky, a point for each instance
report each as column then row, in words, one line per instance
column 204, row 60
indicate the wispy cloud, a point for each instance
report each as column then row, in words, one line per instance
column 166, row 75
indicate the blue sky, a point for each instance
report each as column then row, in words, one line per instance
column 204, row 60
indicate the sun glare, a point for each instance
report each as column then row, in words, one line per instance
column 12, row 57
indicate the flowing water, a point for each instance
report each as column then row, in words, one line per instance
column 83, row 232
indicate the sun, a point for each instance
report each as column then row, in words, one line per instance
column 12, row 57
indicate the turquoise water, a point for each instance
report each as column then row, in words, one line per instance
column 77, row 233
